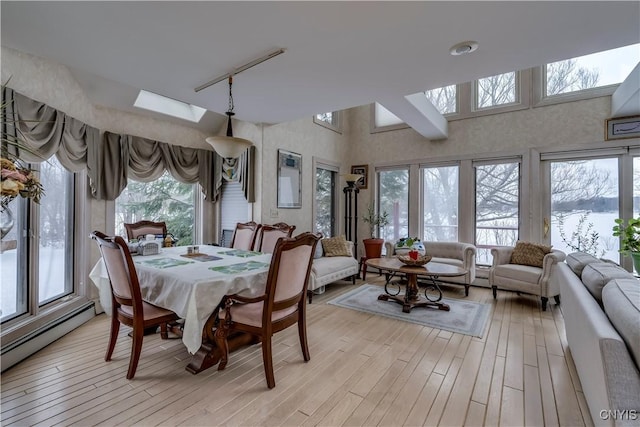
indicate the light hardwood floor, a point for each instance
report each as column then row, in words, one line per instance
column 364, row 370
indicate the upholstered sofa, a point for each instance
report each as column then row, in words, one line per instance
column 460, row 254
column 601, row 310
column 328, row 269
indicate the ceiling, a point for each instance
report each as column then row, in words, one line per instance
column 338, row 54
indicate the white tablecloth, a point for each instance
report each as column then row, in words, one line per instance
column 191, row 290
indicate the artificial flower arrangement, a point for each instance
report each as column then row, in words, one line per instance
column 18, row 181
column 407, row 244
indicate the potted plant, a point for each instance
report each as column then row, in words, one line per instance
column 373, row 245
column 629, row 239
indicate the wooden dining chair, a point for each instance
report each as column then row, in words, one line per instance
column 127, row 306
column 140, row 229
column 244, row 236
column 282, row 305
column 269, row 235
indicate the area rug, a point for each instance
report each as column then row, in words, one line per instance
column 466, row 317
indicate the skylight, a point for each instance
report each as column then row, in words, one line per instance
column 161, row 104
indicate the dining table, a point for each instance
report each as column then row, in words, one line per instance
column 192, row 285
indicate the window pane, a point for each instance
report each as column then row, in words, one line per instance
column 233, row 205
column 329, row 118
column 497, row 199
column 589, row 71
column 56, row 232
column 444, row 99
column 394, row 199
column 384, row 117
column 325, row 201
column 12, row 260
column 496, row 90
column 164, row 199
column 440, row 208
column 584, row 203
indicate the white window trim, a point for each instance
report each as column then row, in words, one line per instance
column 336, row 128
column 540, row 99
column 330, row 165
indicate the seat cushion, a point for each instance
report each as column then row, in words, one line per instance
column 525, row 274
column 150, row 311
column 251, row 314
column 596, row 275
column 577, row 261
column 621, row 302
column 528, row 253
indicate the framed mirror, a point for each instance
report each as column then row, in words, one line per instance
column 289, row 179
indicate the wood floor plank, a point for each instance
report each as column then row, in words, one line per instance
column 512, row 410
column 475, row 415
column 569, row 413
column 549, row 409
column 435, row 413
column 485, row 373
column 533, row 415
column 515, row 357
column 494, row 404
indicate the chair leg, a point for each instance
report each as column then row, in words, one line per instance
column 302, row 333
column 310, row 294
column 163, row 331
column 136, row 349
column 544, row 303
column 557, row 298
column 495, row 291
column 353, row 279
column 113, row 337
column 466, row 290
column 220, row 337
column 268, row 362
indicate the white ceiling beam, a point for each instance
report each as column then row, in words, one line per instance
column 419, row 113
column 625, row 101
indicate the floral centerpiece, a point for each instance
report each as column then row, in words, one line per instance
column 406, row 244
column 18, row 181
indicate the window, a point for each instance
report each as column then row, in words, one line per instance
column 171, row 107
column 234, row 207
column 584, row 204
column 440, row 203
column 496, row 90
column 331, row 120
column 444, row 99
column 325, row 201
column 383, row 118
column 590, row 71
column 164, row 199
column 636, row 187
column 393, row 198
column 497, row 207
column 51, row 226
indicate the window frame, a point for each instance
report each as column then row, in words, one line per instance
column 319, row 163
column 336, row 127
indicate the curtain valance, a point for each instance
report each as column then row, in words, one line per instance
column 112, row 160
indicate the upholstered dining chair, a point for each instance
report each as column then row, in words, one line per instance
column 244, row 236
column 526, row 268
column 269, row 235
column 140, row 229
column 127, row 306
column 282, row 305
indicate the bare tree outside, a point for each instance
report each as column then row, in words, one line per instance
column 324, row 202
column 567, row 76
column 444, row 99
column 496, row 90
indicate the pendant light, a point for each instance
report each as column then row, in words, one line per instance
column 229, row 146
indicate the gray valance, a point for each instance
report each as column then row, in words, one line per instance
column 112, row 160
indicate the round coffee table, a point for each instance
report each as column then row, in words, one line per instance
column 410, row 299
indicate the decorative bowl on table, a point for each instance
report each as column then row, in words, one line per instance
column 421, row 260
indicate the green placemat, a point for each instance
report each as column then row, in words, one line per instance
column 163, row 262
column 239, row 268
column 241, row 253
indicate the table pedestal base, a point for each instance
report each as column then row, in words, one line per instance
column 208, row 354
column 411, row 299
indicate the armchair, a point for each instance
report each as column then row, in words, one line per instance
column 541, row 281
column 140, row 229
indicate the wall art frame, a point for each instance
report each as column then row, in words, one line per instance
column 622, row 128
column 289, row 180
column 363, row 170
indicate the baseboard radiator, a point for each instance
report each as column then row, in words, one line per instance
column 42, row 337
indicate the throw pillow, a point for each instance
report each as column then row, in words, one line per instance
column 528, row 253
column 335, row 246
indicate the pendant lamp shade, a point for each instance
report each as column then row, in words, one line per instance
column 229, row 146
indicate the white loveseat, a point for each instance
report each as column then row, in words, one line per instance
column 460, row 254
column 601, row 310
column 328, row 269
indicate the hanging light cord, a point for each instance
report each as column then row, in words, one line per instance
column 230, row 95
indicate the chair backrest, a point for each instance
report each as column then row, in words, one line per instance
column 140, row 229
column 269, row 235
column 289, row 272
column 244, row 236
column 123, row 277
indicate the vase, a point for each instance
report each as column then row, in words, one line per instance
column 6, row 222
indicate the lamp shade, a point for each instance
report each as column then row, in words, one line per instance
column 352, row 177
column 229, row 146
